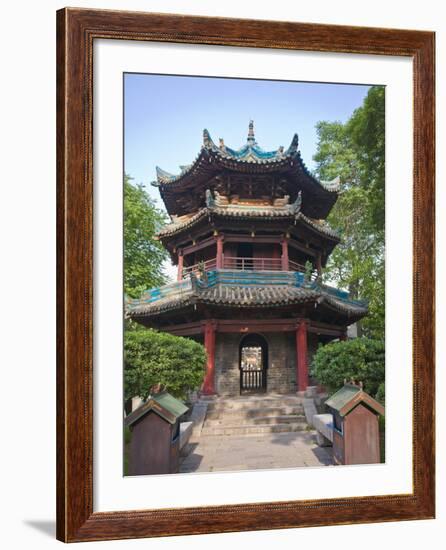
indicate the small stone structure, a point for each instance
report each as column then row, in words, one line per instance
column 186, row 429
column 323, row 423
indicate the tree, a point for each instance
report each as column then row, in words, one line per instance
column 367, row 133
column 143, row 255
column 355, row 152
column 360, row 359
column 152, row 357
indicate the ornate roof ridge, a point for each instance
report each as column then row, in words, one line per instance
column 250, row 153
column 331, row 186
column 177, row 226
column 320, row 225
column 216, row 207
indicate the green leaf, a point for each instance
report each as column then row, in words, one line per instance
column 362, row 359
column 152, row 357
column 143, row 254
column 356, row 152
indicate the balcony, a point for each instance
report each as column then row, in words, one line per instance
column 238, row 263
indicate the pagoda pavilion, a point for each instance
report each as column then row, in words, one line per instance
column 249, row 237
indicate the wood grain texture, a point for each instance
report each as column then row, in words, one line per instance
column 76, row 31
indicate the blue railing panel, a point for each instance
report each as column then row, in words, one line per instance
column 239, row 278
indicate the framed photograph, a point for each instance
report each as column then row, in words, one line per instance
column 245, row 275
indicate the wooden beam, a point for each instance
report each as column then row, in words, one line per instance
column 236, row 238
column 254, row 325
column 301, row 247
column 326, row 332
column 184, row 329
column 199, row 246
column 326, row 328
column 181, row 240
column 244, row 327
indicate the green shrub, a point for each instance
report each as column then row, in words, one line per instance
column 152, row 357
column 360, row 358
column 381, row 393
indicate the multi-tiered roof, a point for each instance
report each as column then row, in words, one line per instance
column 265, row 199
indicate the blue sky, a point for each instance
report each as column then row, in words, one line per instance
column 164, row 117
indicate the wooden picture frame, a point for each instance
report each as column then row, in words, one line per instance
column 76, row 31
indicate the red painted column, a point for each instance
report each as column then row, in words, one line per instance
column 219, row 251
column 180, row 266
column 208, row 387
column 301, row 356
column 285, row 262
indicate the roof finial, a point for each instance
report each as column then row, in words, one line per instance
column 251, row 138
column 206, row 138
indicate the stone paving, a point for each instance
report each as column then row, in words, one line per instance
column 255, row 452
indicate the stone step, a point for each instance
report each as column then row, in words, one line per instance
column 254, row 413
column 245, row 404
column 253, row 397
column 254, row 429
column 230, row 421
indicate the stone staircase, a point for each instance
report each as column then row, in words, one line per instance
column 252, row 415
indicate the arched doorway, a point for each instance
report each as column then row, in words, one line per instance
column 253, row 364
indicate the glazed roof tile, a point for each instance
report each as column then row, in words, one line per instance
column 250, row 154
column 243, row 289
column 246, row 211
column 349, row 396
column 164, row 404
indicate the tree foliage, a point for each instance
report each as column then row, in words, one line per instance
column 355, row 152
column 361, row 359
column 143, row 255
column 152, row 357
column 381, row 393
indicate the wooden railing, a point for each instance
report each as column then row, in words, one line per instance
column 294, row 266
column 208, row 265
column 238, row 263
